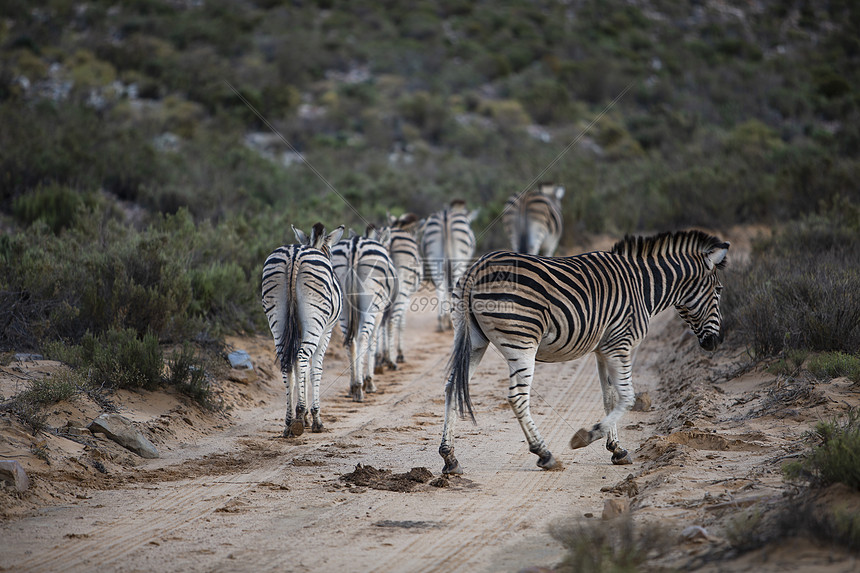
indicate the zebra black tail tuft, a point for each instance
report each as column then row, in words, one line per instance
column 291, row 338
column 458, row 369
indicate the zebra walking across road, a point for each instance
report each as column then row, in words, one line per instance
column 533, row 220
column 448, row 245
column 546, row 309
column 369, row 283
column 406, row 256
column 302, row 300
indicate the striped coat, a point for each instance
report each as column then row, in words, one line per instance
column 302, row 300
column 369, row 283
column 533, row 220
column 546, row 309
column 447, row 246
column 406, row 256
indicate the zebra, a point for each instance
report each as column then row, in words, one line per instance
column 302, row 300
column 406, row 256
column 369, row 283
column 447, row 246
column 533, row 220
column 557, row 309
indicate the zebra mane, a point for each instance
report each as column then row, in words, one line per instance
column 692, row 241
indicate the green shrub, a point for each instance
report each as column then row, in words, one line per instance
column 115, row 359
column 187, row 373
column 833, row 455
column 835, row 364
column 47, row 391
column 617, row 546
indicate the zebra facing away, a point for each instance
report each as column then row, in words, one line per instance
column 302, row 300
column 406, row 256
column 533, row 220
column 447, row 245
column 369, row 283
column 557, row 309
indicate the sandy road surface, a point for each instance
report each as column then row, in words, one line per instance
column 272, row 504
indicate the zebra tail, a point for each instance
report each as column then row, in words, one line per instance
column 524, row 241
column 291, row 337
column 351, row 300
column 458, row 368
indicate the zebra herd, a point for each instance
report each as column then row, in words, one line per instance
column 531, row 307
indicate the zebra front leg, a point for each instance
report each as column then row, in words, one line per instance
column 617, row 399
column 620, row 456
column 522, row 367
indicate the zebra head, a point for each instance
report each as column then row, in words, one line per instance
column 700, row 308
column 318, row 239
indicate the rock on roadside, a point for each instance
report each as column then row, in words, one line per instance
column 122, row 431
column 11, row 471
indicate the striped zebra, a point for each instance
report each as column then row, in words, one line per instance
column 406, row 256
column 302, row 300
column 369, row 283
column 533, row 220
column 447, row 245
column 545, row 309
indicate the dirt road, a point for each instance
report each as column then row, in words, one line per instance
column 255, row 501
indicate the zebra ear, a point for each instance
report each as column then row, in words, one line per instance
column 559, row 192
column 334, row 236
column 384, row 236
column 717, row 255
column 391, row 218
column 473, row 215
column 352, row 233
column 300, row 236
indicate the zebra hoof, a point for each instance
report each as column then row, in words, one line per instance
column 356, row 394
column 549, row 463
column 621, row 458
column 580, row 439
column 369, row 386
column 297, row 428
column 317, row 427
column 378, row 369
column 452, row 467
column 400, row 359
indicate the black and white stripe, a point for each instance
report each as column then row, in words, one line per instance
column 533, row 220
column 369, row 283
column 406, row 256
column 447, row 246
column 544, row 309
column 302, row 300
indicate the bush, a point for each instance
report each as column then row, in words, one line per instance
column 801, row 289
column 617, row 546
column 115, row 359
column 836, row 364
column 834, row 453
column 187, row 373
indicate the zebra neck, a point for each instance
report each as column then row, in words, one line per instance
column 663, row 283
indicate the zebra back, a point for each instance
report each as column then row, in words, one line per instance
column 448, row 244
column 367, row 277
column 281, row 284
column 533, row 220
column 405, row 253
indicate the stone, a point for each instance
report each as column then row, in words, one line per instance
column 642, row 403
column 240, row 360
column 122, row 431
column 12, row 472
column 615, row 507
column 242, row 376
column 695, row 533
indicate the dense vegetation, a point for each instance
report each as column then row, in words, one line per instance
column 141, row 187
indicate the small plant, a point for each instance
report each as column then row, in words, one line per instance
column 834, row 456
column 608, row 547
column 188, row 375
column 835, row 364
column 46, row 391
column 790, row 362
